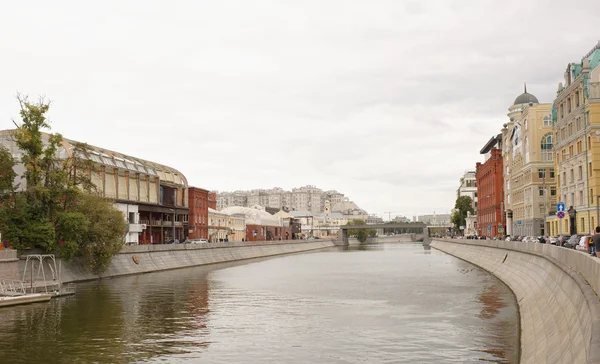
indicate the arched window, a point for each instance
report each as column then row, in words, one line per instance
column 547, row 148
column 526, row 150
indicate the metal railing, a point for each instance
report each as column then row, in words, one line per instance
column 12, row 288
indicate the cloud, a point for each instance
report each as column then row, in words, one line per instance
column 386, row 101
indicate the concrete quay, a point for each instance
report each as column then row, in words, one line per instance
column 137, row 259
column 556, row 290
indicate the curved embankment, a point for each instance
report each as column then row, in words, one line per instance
column 559, row 310
column 152, row 258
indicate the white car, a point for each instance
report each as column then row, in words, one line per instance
column 199, row 241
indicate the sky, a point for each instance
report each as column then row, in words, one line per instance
column 388, row 102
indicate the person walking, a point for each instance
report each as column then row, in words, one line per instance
column 595, row 241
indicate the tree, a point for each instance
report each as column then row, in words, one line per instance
column 462, row 206
column 7, row 173
column 59, row 210
column 361, row 234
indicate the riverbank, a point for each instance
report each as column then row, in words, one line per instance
column 138, row 259
column 559, row 310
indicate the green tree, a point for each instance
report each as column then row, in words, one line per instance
column 462, row 206
column 361, row 234
column 59, row 210
column 7, row 173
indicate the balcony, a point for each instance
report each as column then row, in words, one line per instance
column 594, row 90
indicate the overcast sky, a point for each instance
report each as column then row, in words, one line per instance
column 388, row 102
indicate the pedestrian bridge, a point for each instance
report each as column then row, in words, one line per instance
column 400, row 227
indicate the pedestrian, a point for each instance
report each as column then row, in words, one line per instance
column 595, row 241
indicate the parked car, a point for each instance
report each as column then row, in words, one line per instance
column 572, row 242
column 198, row 241
column 554, row 240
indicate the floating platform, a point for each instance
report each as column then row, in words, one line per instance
column 24, row 299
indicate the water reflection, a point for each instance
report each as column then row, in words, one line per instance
column 371, row 303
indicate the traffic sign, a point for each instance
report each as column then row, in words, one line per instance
column 560, row 207
column 560, row 214
column 489, row 228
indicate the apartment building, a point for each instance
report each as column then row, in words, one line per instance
column 576, row 114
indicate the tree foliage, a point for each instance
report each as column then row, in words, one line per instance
column 462, row 206
column 361, row 234
column 58, row 210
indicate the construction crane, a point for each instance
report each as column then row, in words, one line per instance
column 390, row 214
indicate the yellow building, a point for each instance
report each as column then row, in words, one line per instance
column 529, row 173
column 225, row 227
column 576, row 114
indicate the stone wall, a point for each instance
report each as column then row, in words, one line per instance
column 559, row 310
column 138, row 259
column 9, row 265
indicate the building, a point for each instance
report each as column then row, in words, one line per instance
column 471, row 225
column 528, row 166
column 328, row 223
column 468, row 187
column 490, row 189
column 432, row 220
column 198, row 213
column 307, row 198
column 225, row 226
column 576, row 114
column 259, row 224
column 153, row 197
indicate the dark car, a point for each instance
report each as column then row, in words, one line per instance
column 572, row 242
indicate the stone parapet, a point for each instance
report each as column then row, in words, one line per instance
column 559, row 309
column 139, row 259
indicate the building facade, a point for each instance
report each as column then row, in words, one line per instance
column 306, row 198
column 490, row 216
column 152, row 197
column 528, row 166
column 198, row 213
column 576, row 114
column 468, row 187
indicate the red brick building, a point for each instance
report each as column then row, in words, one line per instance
column 199, row 202
column 212, row 200
column 490, row 190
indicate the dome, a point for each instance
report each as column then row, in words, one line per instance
column 526, row 98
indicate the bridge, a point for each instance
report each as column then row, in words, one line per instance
column 403, row 227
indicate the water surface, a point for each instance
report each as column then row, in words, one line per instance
column 383, row 304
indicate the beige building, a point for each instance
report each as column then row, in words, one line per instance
column 577, row 151
column 223, row 226
column 153, row 197
column 529, row 173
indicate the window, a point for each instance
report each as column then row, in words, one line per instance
column 525, row 123
column 526, row 150
column 581, row 198
column 541, row 191
column 542, row 173
column 591, row 196
column 568, row 105
column 590, row 169
column 547, row 148
column 577, row 99
column 551, row 172
column 553, row 191
column 572, row 175
column 548, row 120
column 564, row 178
column 580, row 173
column 578, row 123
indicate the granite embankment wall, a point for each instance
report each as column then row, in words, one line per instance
column 559, row 310
column 152, row 258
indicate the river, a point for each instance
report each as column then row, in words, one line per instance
column 391, row 303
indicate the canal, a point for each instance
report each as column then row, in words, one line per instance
column 392, row 303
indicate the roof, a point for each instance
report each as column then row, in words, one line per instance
column 120, row 160
column 333, row 215
column 491, row 143
column 301, row 213
column 526, row 98
column 283, row 214
column 253, row 216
